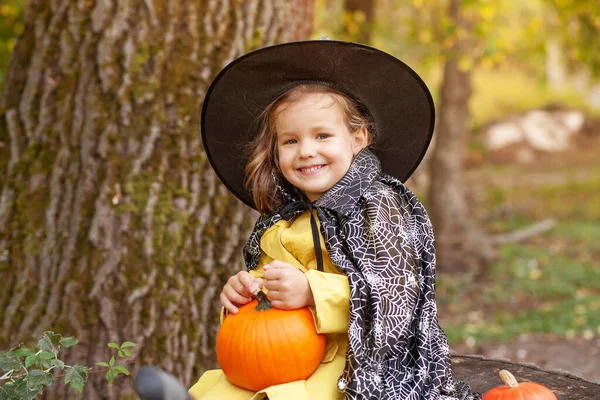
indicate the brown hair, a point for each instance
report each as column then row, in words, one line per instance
column 262, row 172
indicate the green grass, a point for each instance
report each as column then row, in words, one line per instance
column 529, row 289
column 550, row 284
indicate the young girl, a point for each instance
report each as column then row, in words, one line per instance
column 341, row 125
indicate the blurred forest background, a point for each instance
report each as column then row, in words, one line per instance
column 531, row 164
column 144, row 241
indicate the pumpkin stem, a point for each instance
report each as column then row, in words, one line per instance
column 263, row 301
column 508, row 378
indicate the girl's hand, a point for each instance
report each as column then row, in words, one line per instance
column 288, row 286
column 238, row 290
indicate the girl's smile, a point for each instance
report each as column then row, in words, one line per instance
column 311, row 170
column 314, row 144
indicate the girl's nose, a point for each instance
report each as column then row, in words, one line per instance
column 307, row 148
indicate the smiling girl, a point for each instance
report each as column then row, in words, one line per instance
column 341, row 126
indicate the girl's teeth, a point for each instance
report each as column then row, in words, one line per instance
column 311, row 168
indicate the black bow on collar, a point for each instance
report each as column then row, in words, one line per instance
column 342, row 198
column 291, row 209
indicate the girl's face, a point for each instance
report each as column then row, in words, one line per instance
column 314, row 144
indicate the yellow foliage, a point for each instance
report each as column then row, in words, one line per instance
column 10, row 44
column 487, row 63
column 465, row 63
column 448, row 42
column 9, row 11
column 487, row 12
column 418, row 3
column 461, row 33
column 498, row 58
column 563, row 3
column 350, row 23
column 534, row 26
column 359, row 16
column 425, row 36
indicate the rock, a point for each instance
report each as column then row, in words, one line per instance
column 523, row 137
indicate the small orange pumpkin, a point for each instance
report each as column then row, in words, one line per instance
column 518, row 391
column 262, row 346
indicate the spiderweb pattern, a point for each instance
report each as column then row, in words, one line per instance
column 379, row 235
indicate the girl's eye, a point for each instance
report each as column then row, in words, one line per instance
column 291, row 141
column 323, row 136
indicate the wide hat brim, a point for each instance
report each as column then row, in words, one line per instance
column 397, row 98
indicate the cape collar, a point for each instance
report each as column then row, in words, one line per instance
column 345, row 195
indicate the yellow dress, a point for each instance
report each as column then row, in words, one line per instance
column 291, row 241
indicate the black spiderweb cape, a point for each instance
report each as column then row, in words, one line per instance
column 379, row 235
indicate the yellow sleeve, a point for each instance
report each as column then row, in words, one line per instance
column 332, row 301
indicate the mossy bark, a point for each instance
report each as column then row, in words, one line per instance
column 113, row 226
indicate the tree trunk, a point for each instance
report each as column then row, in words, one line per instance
column 113, row 225
column 358, row 20
column 460, row 243
column 556, row 73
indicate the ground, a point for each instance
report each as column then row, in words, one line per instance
column 539, row 303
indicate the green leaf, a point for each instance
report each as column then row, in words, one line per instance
column 120, row 353
column 57, row 363
column 37, row 379
column 77, row 385
column 8, row 362
column 128, row 344
column 50, row 342
column 77, row 376
column 46, row 355
column 113, row 345
column 110, row 376
column 68, row 341
column 30, row 360
column 22, row 352
column 112, row 361
column 120, row 370
column 103, row 364
column 17, row 390
column 127, row 352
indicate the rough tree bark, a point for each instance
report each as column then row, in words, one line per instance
column 460, row 244
column 113, row 226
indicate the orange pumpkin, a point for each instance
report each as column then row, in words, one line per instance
column 262, row 346
column 518, row 391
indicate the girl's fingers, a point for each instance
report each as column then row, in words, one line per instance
column 227, row 304
column 260, row 283
column 234, row 296
column 272, row 285
column 275, row 274
column 248, row 284
column 278, row 304
column 282, row 305
column 276, row 264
